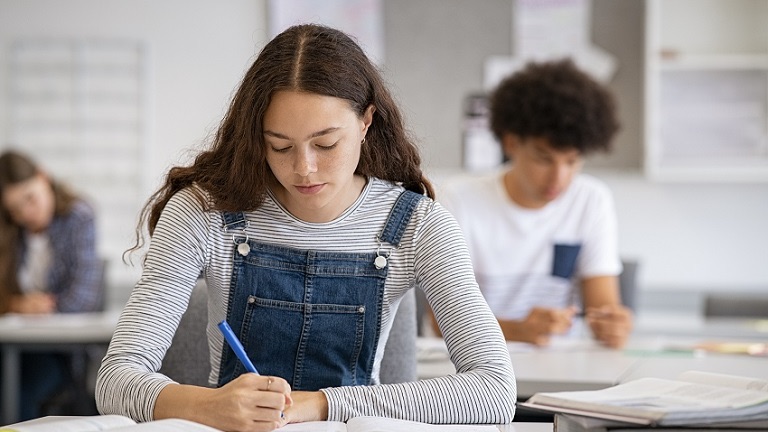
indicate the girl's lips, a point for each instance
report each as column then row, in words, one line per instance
column 309, row 190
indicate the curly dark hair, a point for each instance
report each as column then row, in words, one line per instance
column 309, row 58
column 557, row 101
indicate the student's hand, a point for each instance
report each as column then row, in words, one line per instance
column 540, row 324
column 249, row 403
column 610, row 324
column 307, row 406
column 33, row 303
column 252, row 403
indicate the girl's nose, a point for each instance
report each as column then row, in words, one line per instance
column 305, row 163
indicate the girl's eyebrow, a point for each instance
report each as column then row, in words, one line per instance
column 325, row 131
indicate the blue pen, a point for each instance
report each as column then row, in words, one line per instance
column 236, row 346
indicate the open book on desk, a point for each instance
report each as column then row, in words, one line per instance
column 575, row 423
column 381, row 424
column 116, row 423
column 695, row 398
column 111, row 423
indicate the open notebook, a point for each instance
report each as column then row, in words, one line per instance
column 115, row 423
column 112, row 423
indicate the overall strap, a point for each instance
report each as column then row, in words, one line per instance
column 399, row 217
column 233, row 220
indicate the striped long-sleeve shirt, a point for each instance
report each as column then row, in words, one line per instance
column 189, row 240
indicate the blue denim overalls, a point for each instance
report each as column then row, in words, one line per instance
column 310, row 317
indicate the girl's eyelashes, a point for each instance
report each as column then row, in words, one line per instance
column 320, row 146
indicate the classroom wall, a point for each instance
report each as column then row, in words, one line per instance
column 688, row 237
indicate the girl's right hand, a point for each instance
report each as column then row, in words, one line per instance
column 249, row 403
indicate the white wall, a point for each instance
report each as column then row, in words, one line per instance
column 199, row 51
column 694, row 237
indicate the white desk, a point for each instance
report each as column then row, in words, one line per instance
column 567, row 365
column 578, row 363
column 58, row 332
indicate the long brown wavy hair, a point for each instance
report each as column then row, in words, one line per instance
column 15, row 168
column 309, row 58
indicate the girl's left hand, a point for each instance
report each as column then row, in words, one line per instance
column 307, row 406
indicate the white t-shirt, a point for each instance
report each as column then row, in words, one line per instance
column 33, row 274
column 513, row 249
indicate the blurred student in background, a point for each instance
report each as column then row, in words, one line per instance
column 48, row 263
column 542, row 235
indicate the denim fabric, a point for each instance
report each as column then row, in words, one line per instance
column 310, row 317
column 564, row 261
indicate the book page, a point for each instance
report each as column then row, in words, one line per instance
column 654, row 399
column 382, row 424
column 70, row 424
column 315, row 426
column 724, row 380
column 167, row 425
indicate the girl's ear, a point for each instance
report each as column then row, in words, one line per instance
column 368, row 118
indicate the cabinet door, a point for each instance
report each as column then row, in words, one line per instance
column 707, row 90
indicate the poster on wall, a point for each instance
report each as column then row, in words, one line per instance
column 362, row 19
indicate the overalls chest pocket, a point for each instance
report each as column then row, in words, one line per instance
column 309, row 317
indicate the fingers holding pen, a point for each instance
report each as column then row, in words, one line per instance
column 565, row 318
column 275, row 400
column 542, row 323
column 271, row 392
column 552, row 321
column 610, row 324
column 279, row 386
column 257, row 402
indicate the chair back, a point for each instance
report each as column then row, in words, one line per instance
column 628, row 283
column 736, row 305
column 399, row 362
column 187, row 361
